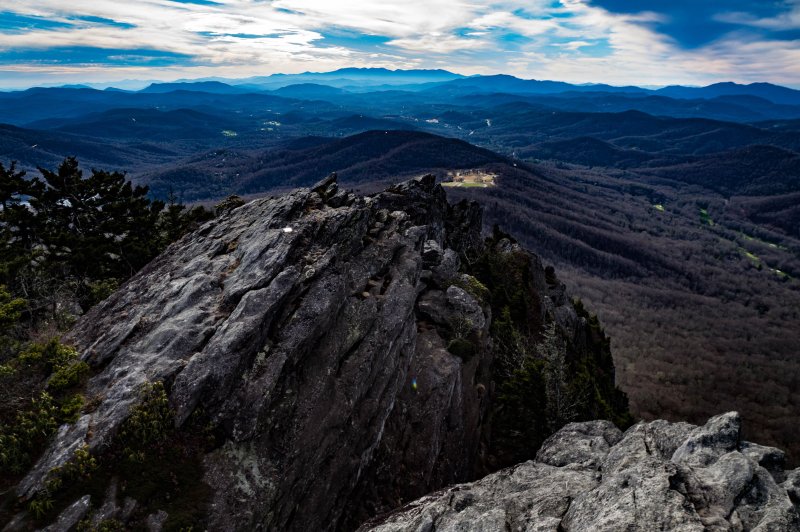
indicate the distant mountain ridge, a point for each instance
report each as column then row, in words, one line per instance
column 349, row 76
column 412, row 94
column 216, row 87
column 308, row 90
column 443, row 81
column 360, row 159
column 767, row 91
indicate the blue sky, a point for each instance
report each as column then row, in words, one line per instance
column 649, row 42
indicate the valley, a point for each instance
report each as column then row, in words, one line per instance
column 702, row 317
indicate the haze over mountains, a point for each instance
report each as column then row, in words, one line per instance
column 673, row 212
column 165, row 122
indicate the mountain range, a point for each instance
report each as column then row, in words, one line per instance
column 369, row 311
column 661, row 207
column 728, row 101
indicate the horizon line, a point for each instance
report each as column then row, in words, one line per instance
column 231, row 81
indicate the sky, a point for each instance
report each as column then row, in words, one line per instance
column 621, row 42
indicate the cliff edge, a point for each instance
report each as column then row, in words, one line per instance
column 309, row 361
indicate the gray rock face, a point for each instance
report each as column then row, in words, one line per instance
column 585, row 444
column 293, row 323
column 591, row 477
column 341, row 354
column 70, row 517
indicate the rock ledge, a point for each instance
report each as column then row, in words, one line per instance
column 592, row 477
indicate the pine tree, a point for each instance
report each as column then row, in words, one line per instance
column 99, row 228
column 561, row 407
column 17, row 223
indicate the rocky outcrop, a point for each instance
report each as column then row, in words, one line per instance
column 339, row 348
column 592, row 477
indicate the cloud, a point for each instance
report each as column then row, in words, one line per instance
column 438, row 44
column 575, row 45
column 789, row 20
column 575, row 40
column 392, row 18
column 505, row 20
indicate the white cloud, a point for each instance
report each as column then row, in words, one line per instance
column 504, row 20
column 575, row 45
column 789, row 20
column 438, row 44
column 391, row 18
column 570, row 40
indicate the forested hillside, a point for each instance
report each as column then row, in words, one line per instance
column 676, row 214
column 700, row 296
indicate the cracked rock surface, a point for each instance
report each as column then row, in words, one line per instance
column 292, row 322
column 340, row 350
column 592, row 477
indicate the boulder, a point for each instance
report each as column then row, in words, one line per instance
column 591, row 477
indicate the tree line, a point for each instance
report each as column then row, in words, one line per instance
column 67, row 240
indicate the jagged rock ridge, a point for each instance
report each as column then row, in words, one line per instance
column 591, row 476
column 333, row 343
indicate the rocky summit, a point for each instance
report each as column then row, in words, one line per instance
column 316, row 361
column 311, row 361
column 593, row 477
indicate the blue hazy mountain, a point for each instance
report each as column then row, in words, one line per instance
column 350, row 77
column 314, row 91
column 213, row 87
column 767, row 91
column 381, row 91
column 514, row 85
